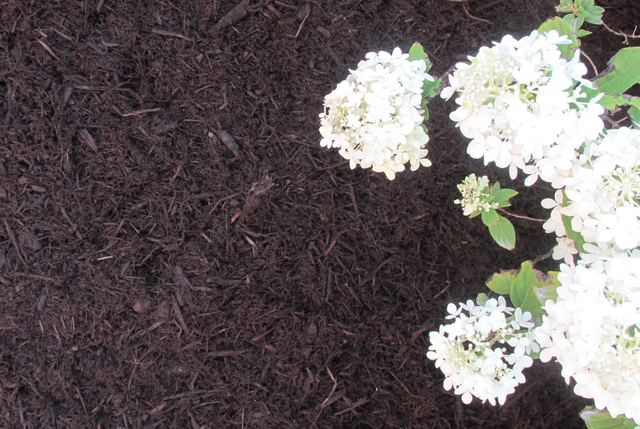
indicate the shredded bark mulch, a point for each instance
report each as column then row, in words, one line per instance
column 177, row 250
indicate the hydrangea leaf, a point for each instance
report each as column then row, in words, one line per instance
column 490, row 217
column 416, row 52
column 500, row 282
column 610, row 102
column 548, row 286
column 575, row 236
column 501, row 196
column 502, row 232
column 523, row 294
column 623, row 72
column 429, row 88
column 596, row 419
column 634, row 114
column 580, row 11
column 482, row 299
column 563, row 28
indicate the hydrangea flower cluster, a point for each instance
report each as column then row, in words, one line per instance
column 602, row 192
column 519, row 103
column 592, row 330
column 374, row 116
column 473, row 196
column 483, row 351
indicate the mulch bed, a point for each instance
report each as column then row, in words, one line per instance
column 177, row 250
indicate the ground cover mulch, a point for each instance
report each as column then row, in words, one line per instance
column 177, row 250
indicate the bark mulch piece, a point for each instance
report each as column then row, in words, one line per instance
column 177, row 250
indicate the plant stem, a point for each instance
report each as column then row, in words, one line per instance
column 626, row 36
column 520, row 216
column 591, row 62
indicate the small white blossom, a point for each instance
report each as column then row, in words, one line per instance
column 483, row 352
column 374, row 117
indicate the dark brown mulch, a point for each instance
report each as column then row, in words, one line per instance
column 177, row 250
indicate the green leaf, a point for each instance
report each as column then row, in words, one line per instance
column 623, row 72
column 579, row 11
column 634, row 114
column 482, row 299
column 593, row 15
column 565, row 6
column 490, row 217
column 500, row 283
column 502, row 195
column 429, row 88
column 522, row 289
column 596, row 419
column 503, row 233
column 620, row 100
column 575, row 236
column 416, row 52
column 548, row 286
column 562, row 27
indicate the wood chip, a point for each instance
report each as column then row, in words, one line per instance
column 326, row 33
column 86, row 138
column 235, row 15
column 29, row 240
column 228, row 141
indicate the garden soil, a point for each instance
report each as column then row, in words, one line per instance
column 178, row 251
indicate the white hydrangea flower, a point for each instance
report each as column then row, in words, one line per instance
column 473, row 195
column 374, row 116
column 483, row 352
column 592, row 330
column 602, row 190
column 519, row 106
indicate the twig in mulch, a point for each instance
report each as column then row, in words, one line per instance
column 170, row 34
column 466, row 11
column 137, row 112
column 436, row 296
column 359, row 403
column 225, row 353
column 306, row 10
column 422, row 330
column 82, row 402
column 403, row 386
column 12, row 237
column 192, row 392
column 353, row 200
column 221, row 200
column 178, row 314
column 372, row 276
column 333, row 243
column 330, row 399
column 48, row 49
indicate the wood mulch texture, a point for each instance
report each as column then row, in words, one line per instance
column 177, row 250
